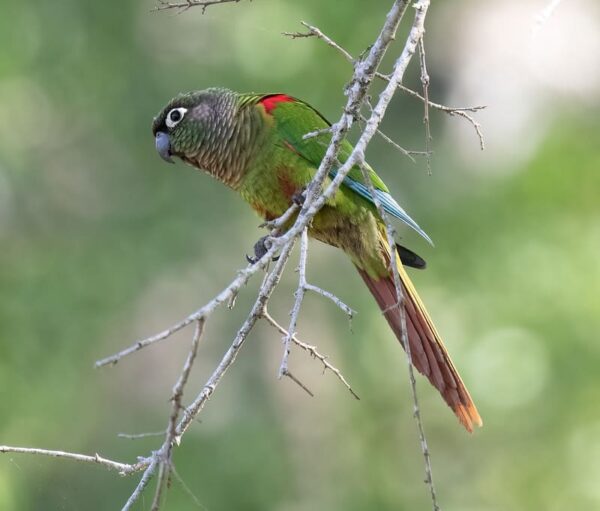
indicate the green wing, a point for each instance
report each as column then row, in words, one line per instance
column 296, row 118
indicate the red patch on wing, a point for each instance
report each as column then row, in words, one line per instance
column 271, row 102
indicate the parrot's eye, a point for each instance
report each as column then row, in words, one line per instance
column 174, row 117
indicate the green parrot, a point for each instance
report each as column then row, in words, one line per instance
column 254, row 144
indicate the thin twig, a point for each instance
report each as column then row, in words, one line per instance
column 450, row 110
column 188, row 4
column 425, row 83
column 317, row 290
column 315, row 32
column 458, row 111
column 139, row 489
column 312, row 351
column 223, row 297
column 277, row 225
column 180, row 385
column 303, row 287
column 187, row 489
column 289, row 374
column 176, row 398
column 404, row 152
column 317, row 133
column 121, row 468
column 138, row 436
column 299, row 296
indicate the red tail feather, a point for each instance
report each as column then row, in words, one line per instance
column 428, row 353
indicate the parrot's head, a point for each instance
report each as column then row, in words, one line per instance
column 185, row 123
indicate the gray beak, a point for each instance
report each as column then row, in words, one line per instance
column 163, row 146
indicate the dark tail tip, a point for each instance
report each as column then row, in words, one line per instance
column 409, row 258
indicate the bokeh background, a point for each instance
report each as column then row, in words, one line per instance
column 102, row 243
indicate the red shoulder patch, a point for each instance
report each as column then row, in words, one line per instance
column 270, row 102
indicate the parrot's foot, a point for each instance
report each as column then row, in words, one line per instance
column 299, row 197
column 261, row 247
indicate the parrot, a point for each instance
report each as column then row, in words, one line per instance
column 255, row 144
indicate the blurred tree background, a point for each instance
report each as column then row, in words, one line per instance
column 102, row 243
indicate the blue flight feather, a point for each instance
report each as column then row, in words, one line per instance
column 388, row 203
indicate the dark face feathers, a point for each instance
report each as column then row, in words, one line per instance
column 184, row 100
column 182, row 121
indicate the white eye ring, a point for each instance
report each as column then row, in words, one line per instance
column 175, row 116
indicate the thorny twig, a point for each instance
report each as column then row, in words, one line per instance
column 316, row 195
column 303, row 287
column 287, row 340
column 312, row 351
column 463, row 112
column 315, row 32
column 425, row 83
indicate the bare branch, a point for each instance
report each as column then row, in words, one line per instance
column 139, row 489
column 192, row 411
column 223, row 297
column 390, row 233
column 188, row 4
column 315, row 32
column 299, row 294
column 458, row 111
column 288, row 373
column 180, row 385
column 405, row 152
column 315, row 289
column 303, row 287
column 278, row 224
column 450, row 110
column 425, row 83
column 176, row 398
column 476, row 125
column 122, row 468
column 139, row 436
column 317, row 133
column 312, row 350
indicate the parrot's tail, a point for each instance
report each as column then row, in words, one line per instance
column 428, row 353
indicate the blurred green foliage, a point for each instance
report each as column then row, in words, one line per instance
column 102, row 243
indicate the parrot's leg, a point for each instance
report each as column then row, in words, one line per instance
column 299, row 197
